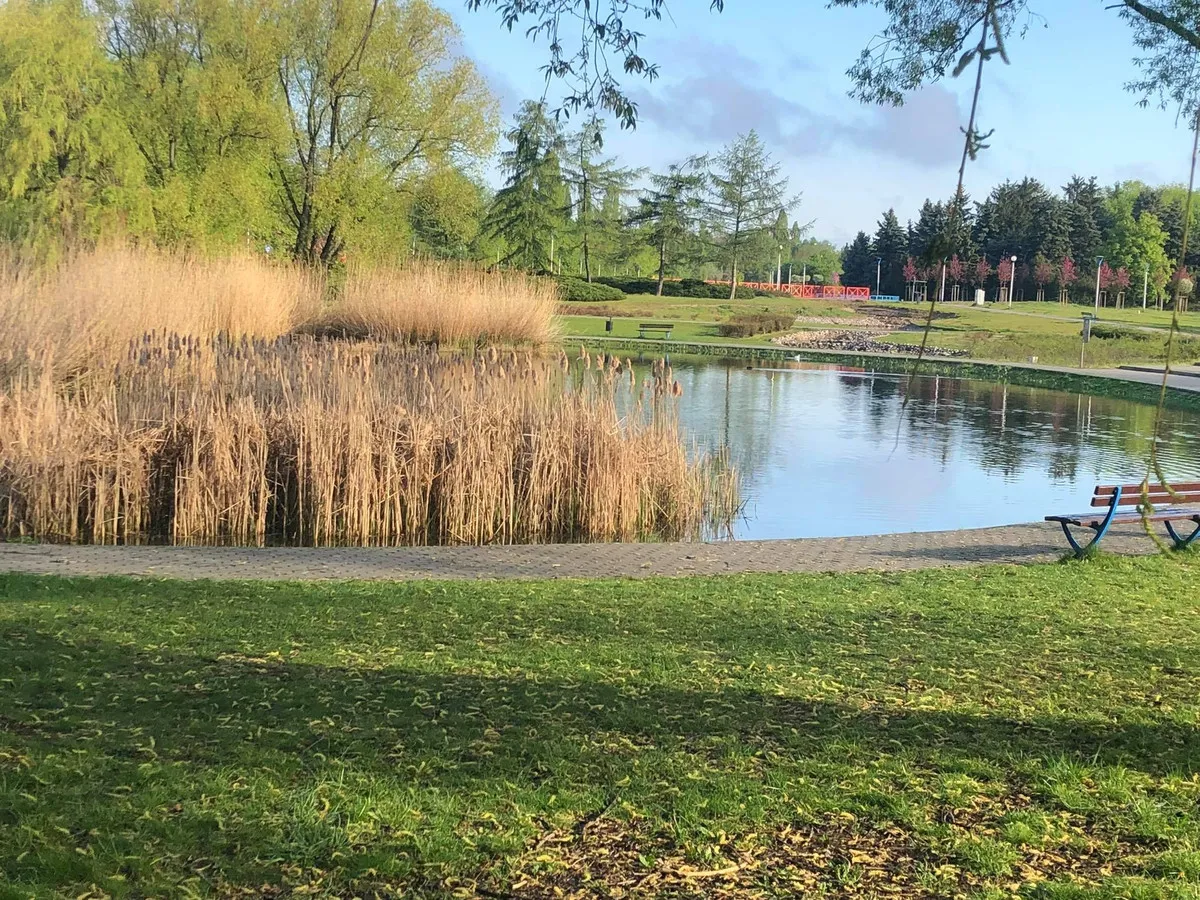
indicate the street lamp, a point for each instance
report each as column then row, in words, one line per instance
column 1145, row 287
column 779, row 267
column 878, row 270
column 1012, row 279
column 1099, row 262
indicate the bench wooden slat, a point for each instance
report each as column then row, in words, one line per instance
column 1091, row 520
column 1106, row 490
column 1132, row 496
column 1155, row 500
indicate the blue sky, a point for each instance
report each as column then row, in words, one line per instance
column 780, row 68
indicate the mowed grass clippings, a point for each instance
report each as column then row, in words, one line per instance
column 985, row 732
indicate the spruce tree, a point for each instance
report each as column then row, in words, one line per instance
column 890, row 245
column 858, row 262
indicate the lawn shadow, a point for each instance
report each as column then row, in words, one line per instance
column 203, row 723
column 204, row 710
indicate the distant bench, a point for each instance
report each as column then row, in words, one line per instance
column 1166, row 505
column 661, row 329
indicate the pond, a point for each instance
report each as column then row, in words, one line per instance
column 826, row 452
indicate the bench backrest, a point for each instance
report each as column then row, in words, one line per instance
column 1131, row 494
column 662, row 326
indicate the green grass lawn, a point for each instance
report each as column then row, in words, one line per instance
column 982, row 732
column 1045, row 330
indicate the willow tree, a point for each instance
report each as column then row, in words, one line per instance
column 376, row 93
column 68, row 166
column 201, row 101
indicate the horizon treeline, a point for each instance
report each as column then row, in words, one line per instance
column 1134, row 230
column 361, row 133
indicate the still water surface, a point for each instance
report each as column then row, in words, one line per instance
column 826, row 452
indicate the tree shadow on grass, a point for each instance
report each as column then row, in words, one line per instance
column 221, row 719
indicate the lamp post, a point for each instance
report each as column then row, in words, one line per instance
column 804, row 274
column 1012, row 278
column 1145, row 287
column 1099, row 262
column 878, row 270
column 779, row 268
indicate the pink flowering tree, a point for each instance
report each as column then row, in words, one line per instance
column 1183, row 284
column 910, row 274
column 1121, row 282
column 1067, row 275
column 1043, row 274
column 1105, row 278
column 982, row 272
column 955, row 270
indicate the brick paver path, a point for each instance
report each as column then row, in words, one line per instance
column 893, row 552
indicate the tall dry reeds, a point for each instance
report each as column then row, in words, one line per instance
column 82, row 311
column 443, row 302
column 85, row 309
column 322, row 443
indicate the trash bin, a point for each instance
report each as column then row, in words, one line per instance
column 979, row 296
column 608, row 324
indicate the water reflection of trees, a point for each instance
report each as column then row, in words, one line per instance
column 1006, row 429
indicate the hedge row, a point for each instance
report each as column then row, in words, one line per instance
column 578, row 290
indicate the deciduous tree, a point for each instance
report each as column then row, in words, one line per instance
column 68, row 165
column 375, row 92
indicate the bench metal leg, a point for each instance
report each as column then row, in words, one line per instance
column 1101, row 529
column 1182, row 543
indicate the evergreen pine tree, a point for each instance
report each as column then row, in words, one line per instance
column 526, row 212
column 858, row 262
column 891, row 246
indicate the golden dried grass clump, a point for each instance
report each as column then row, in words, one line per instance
column 442, row 302
column 86, row 308
column 310, row 442
column 83, row 310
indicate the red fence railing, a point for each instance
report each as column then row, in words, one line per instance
column 810, row 291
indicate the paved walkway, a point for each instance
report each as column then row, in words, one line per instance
column 894, row 552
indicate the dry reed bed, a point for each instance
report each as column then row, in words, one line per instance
column 82, row 311
column 309, row 442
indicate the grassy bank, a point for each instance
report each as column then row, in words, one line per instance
column 1046, row 331
column 986, row 732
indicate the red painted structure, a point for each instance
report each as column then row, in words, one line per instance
column 809, row 291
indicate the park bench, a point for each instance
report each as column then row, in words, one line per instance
column 1180, row 503
column 663, row 329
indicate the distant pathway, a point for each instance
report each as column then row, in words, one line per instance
column 894, row 552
